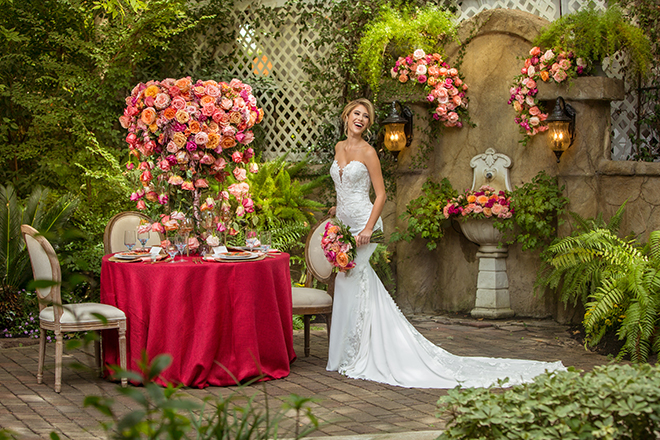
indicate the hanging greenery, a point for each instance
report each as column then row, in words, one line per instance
column 398, row 32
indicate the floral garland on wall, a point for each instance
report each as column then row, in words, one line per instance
column 447, row 92
column 554, row 65
column 189, row 141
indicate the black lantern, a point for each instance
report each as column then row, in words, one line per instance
column 398, row 128
column 561, row 127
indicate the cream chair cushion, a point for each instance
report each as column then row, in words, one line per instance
column 306, row 296
column 82, row 313
column 316, row 258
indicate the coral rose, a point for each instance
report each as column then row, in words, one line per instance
column 342, row 259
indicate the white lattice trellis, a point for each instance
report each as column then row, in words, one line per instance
column 275, row 52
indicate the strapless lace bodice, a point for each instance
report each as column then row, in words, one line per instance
column 352, row 184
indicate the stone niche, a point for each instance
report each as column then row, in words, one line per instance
column 445, row 279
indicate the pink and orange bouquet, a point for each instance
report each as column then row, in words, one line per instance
column 181, row 133
column 554, row 65
column 339, row 245
column 446, row 90
column 479, row 204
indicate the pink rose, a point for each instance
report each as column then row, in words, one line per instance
column 559, row 76
column 534, row 111
column 130, row 166
column 179, row 103
column 248, row 204
column 421, row 70
column 162, row 100
column 163, row 199
column 529, row 100
column 534, row 121
column 254, row 168
column 201, row 183
column 240, row 211
column 131, row 138
column 240, row 173
column 452, row 117
column 457, row 100
column 164, row 165
column 201, row 138
column 188, row 185
column 221, row 227
column 157, row 227
column 249, row 137
column 419, row 54
column 207, row 159
column 219, row 164
column 193, row 243
column 175, row 180
column 237, row 156
column 141, row 205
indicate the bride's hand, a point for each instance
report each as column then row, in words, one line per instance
column 364, row 237
column 332, row 211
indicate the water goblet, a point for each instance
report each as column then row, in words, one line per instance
column 180, row 243
column 172, row 251
column 143, row 237
column 251, row 239
column 265, row 237
column 129, row 239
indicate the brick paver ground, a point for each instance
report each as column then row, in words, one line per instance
column 344, row 406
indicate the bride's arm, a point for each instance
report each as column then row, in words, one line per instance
column 376, row 175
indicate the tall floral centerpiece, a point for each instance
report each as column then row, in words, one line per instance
column 189, row 140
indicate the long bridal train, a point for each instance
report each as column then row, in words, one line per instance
column 371, row 339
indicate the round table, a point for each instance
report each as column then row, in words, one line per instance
column 208, row 316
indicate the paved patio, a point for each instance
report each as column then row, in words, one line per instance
column 346, row 407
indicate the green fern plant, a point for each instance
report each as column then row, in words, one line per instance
column 622, row 281
column 595, row 35
column 401, row 31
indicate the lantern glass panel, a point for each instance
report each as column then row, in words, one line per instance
column 395, row 137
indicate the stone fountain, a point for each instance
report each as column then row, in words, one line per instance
column 492, row 302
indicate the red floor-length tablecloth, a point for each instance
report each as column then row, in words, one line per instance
column 237, row 315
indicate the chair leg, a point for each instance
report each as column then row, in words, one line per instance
column 59, row 348
column 97, row 354
column 306, row 319
column 42, row 355
column 328, row 320
column 122, row 351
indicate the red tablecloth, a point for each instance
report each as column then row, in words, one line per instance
column 237, row 315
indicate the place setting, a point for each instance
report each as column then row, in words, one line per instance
column 257, row 247
column 144, row 254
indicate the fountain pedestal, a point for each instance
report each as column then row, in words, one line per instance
column 492, row 300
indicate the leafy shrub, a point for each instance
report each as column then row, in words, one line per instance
column 165, row 413
column 610, row 402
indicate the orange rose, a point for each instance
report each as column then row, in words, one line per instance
column 471, row 198
column 148, row 116
column 235, row 118
column 151, row 91
column 482, row 200
column 213, row 142
column 228, row 142
column 153, row 127
column 194, row 127
column 179, row 139
column 206, row 99
column 182, row 116
column 545, row 75
column 211, row 127
column 169, row 113
column 183, row 84
column 342, row 259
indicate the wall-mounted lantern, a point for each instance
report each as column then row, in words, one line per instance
column 398, row 128
column 561, row 127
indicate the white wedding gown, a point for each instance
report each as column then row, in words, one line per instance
column 371, row 339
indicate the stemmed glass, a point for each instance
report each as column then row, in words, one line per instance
column 172, row 250
column 180, row 243
column 143, row 238
column 129, row 239
column 265, row 238
column 251, row 239
column 185, row 229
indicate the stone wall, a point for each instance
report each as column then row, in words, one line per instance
column 445, row 279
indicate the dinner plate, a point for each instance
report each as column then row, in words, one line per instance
column 132, row 255
column 236, row 256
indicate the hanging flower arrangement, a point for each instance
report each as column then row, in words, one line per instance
column 554, row 65
column 186, row 137
column 447, row 92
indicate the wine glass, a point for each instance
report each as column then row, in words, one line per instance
column 251, row 239
column 129, row 239
column 143, row 237
column 172, row 250
column 265, row 237
column 186, row 227
column 180, row 243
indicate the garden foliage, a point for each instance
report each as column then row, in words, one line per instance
column 610, row 402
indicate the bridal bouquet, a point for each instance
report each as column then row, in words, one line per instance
column 339, row 245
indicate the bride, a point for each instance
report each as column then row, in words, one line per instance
column 370, row 337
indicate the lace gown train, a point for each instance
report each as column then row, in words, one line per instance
column 371, row 339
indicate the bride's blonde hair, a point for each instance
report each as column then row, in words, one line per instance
column 349, row 108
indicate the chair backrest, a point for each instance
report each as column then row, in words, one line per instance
column 113, row 237
column 317, row 264
column 45, row 266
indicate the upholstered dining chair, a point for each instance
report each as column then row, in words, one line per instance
column 308, row 301
column 113, row 237
column 63, row 318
